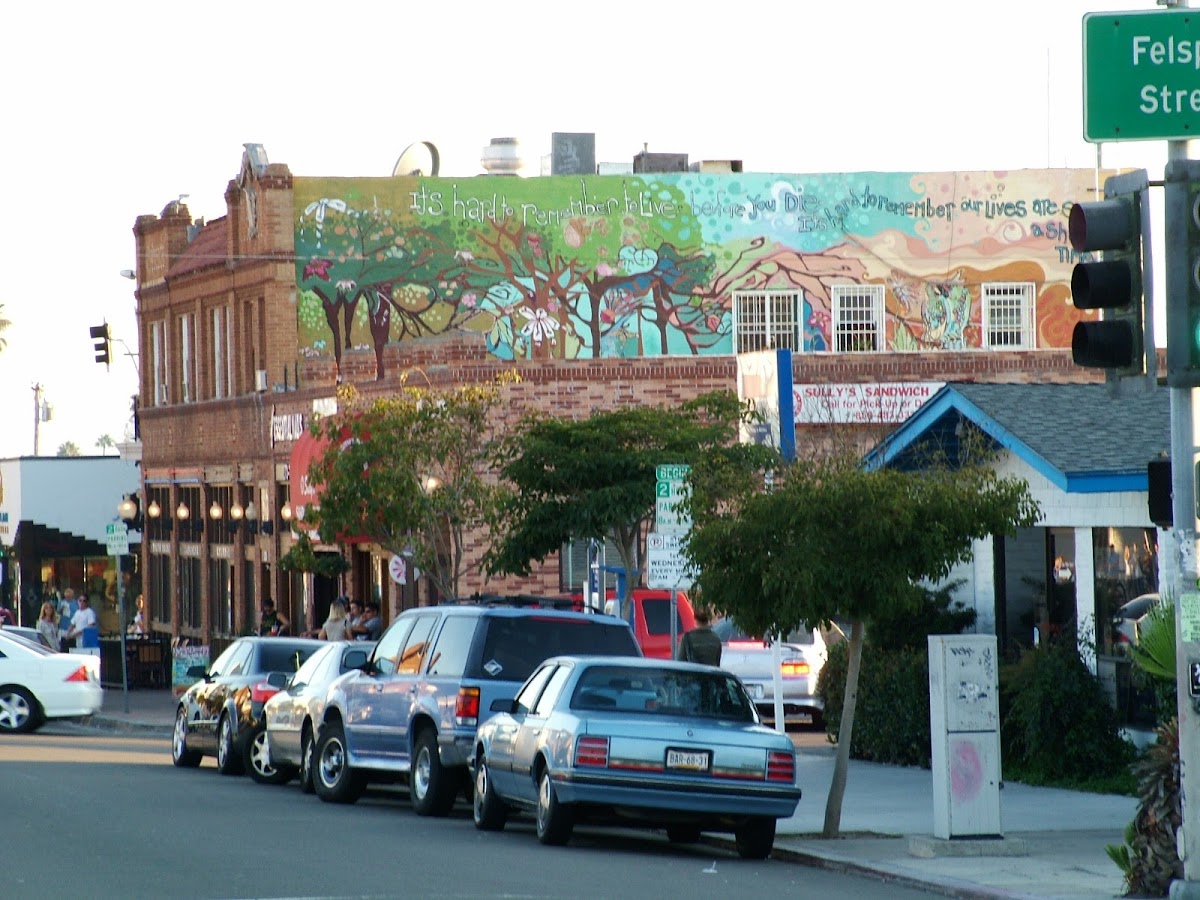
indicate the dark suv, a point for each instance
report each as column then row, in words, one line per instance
column 413, row 709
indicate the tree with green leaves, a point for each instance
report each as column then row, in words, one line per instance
column 68, row 448
column 834, row 540
column 409, row 472
column 105, row 443
column 595, row 477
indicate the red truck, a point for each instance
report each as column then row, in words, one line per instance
column 649, row 614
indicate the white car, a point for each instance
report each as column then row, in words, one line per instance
column 802, row 656
column 37, row 684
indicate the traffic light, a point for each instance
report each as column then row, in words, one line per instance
column 1118, row 225
column 100, row 336
column 1181, row 220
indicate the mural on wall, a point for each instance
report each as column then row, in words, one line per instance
column 647, row 265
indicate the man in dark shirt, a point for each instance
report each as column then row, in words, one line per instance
column 371, row 626
column 701, row 644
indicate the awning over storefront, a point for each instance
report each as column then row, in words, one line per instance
column 42, row 541
column 303, row 492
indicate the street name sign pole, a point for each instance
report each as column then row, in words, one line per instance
column 116, row 536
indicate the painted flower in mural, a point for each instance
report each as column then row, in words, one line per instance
column 318, row 208
column 318, row 268
column 539, row 326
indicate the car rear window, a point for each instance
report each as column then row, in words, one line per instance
column 514, row 646
column 282, row 658
column 727, row 631
column 663, row 692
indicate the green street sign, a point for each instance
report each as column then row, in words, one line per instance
column 1141, row 75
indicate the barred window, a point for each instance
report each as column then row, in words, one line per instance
column 857, row 318
column 767, row 320
column 1008, row 316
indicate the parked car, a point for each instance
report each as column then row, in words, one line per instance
column 649, row 615
column 291, row 716
column 30, row 634
column 37, row 684
column 802, row 657
column 1128, row 620
column 412, row 711
column 220, row 715
column 656, row 743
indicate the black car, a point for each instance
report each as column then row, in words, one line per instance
column 220, row 715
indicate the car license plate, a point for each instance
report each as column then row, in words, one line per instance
column 692, row 760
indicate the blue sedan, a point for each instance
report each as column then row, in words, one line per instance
column 619, row 741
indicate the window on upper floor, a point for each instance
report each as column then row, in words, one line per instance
column 187, row 358
column 222, row 357
column 159, row 365
column 1008, row 316
column 857, row 318
column 767, row 320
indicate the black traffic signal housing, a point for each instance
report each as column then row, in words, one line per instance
column 1181, row 220
column 1158, row 489
column 103, row 343
column 1118, row 226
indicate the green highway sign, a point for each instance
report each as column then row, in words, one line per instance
column 1141, row 75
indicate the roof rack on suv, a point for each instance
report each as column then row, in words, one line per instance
column 524, row 600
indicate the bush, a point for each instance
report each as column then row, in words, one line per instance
column 1056, row 726
column 891, row 719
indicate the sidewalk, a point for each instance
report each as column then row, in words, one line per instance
column 1053, row 844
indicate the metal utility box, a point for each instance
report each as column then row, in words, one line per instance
column 964, row 713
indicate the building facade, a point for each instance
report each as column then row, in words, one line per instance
column 600, row 291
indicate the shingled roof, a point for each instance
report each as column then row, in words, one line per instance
column 1084, row 438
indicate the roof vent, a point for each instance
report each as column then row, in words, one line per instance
column 502, row 157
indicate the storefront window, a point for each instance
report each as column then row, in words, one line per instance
column 220, row 591
column 160, row 588
column 189, row 592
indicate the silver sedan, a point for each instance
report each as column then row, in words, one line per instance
column 610, row 740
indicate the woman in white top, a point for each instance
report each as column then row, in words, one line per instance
column 336, row 627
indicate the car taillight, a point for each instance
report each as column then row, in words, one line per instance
column 262, row 692
column 781, row 766
column 797, row 669
column 592, row 751
column 80, row 674
column 466, row 707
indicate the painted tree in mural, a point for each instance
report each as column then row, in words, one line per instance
column 358, row 256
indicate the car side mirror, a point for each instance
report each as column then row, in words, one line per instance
column 502, row 705
column 278, row 679
column 354, row 659
column 197, row 672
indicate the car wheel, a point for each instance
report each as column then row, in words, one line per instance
column 18, row 711
column 683, row 834
column 432, row 786
column 180, row 754
column 335, row 781
column 487, row 809
column 755, row 839
column 227, row 761
column 258, row 761
column 555, row 820
column 306, row 760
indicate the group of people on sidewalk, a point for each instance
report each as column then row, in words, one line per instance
column 348, row 620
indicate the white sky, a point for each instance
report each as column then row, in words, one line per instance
column 113, row 110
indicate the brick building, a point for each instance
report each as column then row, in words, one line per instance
column 600, row 291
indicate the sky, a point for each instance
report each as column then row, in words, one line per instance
column 114, row 110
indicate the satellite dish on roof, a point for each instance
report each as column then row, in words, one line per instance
column 420, row 158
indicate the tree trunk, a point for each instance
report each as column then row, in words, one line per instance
column 837, row 788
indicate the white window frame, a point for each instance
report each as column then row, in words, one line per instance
column 999, row 301
column 857, row 314
column 768, row 320
column 159, row 367
column 222, row 358
column 187, row 369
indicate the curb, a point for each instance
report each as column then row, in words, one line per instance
column 101, row 722
column 946, row 887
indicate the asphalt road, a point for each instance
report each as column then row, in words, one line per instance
column 88, row 815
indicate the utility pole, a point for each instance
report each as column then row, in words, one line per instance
column 37, row 416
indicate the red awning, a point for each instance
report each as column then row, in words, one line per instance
column 303, row 492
